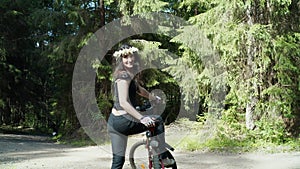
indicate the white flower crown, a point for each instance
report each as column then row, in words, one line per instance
column 121, row 52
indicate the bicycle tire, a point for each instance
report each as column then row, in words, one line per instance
column 170, row 156
column 134, row 147
column 132, row 151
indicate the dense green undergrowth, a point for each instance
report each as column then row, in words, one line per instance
column 235, row 146
column 231, row 140
column 9, row 129
column 77, row 138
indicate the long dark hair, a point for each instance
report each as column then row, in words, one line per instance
column 120, row 67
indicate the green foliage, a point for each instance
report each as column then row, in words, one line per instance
column 273, row 132
column 145, row 6
column 232, row 29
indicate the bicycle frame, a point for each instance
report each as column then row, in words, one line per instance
column 150, row 148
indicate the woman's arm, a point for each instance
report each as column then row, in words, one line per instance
column 122, row 86
column 143, row 92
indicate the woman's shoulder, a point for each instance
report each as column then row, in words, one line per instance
column 123, row 75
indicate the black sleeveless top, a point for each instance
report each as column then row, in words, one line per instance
column 132, row 91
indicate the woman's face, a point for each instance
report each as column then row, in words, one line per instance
column 128, row 61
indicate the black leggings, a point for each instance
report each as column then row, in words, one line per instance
column 120, row 127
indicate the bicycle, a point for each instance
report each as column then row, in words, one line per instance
column 150, row 145
column 151, row 158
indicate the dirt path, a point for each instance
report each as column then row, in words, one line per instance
column 33, row 152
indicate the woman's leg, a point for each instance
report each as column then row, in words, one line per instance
column 136, row 127
column 119, row 143
column 122, row 126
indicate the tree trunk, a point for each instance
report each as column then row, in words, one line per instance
column 251, row 66
column 1, row 116
column 101, row 12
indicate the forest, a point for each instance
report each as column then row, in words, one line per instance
column 257, row 44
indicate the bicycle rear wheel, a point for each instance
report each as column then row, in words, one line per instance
column 138, row 156
column 170, row 156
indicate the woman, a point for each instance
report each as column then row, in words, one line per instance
column 125, row 120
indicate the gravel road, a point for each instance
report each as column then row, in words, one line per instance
column 35, row 152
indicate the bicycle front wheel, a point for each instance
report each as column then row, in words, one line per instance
column 138, row 156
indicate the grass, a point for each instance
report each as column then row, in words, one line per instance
column 76, row 139
column 223, row 143
column 8, row 129
column 79, row 138
column 192, row 143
